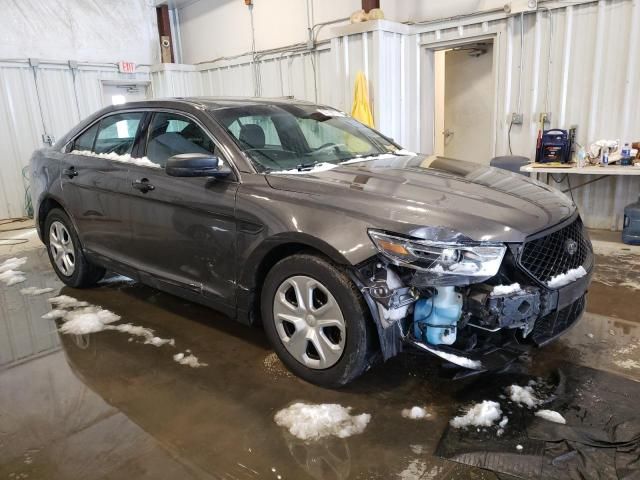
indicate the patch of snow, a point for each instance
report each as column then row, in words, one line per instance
column 314, row 421
column 65, row 301
column 627, row 364
column 506, row 289
column 143, row 162
column 12, row 263
column 551, row 416
column 54, row 314
column 590, row 335
column 500, row 432
column 482, row 414
column 158, row 342
column 503, row 422
column 523, row 395
column 318, row 167
column 190, row 360
column 11, row 277
column 35, row 291
column 519, row 447
column 566, row 278
column 86, row 320
column 415, row 413
column 382, row 156
column 404, row 152
column 116, row 279
column 415, row 470
column 450, row 357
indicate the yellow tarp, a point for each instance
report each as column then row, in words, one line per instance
column 361, row 110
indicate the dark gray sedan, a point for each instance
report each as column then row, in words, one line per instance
column 345, row 247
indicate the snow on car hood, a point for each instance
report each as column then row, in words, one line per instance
column 405, row 193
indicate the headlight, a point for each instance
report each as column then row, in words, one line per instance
column 477, row 261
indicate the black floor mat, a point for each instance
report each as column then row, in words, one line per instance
column 601, row 439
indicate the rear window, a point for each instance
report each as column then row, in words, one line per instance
column 117, row 133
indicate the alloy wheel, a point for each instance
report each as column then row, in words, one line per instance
column 62, row 249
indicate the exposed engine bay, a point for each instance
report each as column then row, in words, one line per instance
column 470, row 306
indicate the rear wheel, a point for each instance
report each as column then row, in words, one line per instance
column 316, row 320
column 65, row 252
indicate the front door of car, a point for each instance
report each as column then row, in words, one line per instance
column 184, row 231
column 95, row 188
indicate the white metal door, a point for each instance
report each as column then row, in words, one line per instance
column 468, row 104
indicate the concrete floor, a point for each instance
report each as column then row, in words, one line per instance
column 101, row 406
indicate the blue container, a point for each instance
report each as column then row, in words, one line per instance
column 436, row 318
column 631, row 230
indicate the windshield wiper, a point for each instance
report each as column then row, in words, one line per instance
column 305, row 166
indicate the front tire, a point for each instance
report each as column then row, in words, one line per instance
column 316, row 320
column 65, row 252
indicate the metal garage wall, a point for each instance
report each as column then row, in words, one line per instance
column 27, row 112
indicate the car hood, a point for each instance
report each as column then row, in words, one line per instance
column 407, row 193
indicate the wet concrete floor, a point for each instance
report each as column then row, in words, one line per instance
column 104, row 406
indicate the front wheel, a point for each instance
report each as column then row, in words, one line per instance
column 316, row 320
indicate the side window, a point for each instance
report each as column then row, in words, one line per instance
column 85, row 141
column 117, row 133
column 171, row 134
column 257, row 131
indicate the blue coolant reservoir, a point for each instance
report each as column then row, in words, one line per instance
column 436, row 318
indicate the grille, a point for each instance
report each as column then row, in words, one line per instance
column 548, row 256
column 552, row 325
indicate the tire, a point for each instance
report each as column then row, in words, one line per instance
column 65, row 252
column 316, row 344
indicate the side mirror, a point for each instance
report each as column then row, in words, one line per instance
column 195, row 165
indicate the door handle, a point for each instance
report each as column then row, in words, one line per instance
column 447, row 133
column 143, row 185
column 70, row 172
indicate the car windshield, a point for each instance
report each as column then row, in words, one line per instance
column 282, row 137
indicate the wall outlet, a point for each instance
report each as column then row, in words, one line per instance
column 517, row 118
column 545, row 117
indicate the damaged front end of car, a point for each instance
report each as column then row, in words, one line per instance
column 478, row 305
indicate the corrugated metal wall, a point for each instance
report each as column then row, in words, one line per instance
column 50, row 101
column 580, row 62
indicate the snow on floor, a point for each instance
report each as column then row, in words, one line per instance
column 11, row 277
column 91, row 319
column 483, row 414
column 189, row 360
column 566, row 278
column 415, row 413
column 35, row 291
column 81, row 318
column 523, row 395
column 450, row 357
column 505, row 289
column 54, row 314
column 144, row 161
column 551, row 416
column 12, row 263
column 65, row 301
column 314, row 421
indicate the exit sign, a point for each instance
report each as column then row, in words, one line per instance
column 126, row 67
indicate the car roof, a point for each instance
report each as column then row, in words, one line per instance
column 214, row 103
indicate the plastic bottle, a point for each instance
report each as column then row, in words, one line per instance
column 625, row 155
column 604, row 159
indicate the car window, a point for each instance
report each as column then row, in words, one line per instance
column 171, row 134
column 85, row 141
column 117, row 133
column 281, row 136
column 250, row 130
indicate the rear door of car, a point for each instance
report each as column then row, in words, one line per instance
column 184, row 229
column 95, row 184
